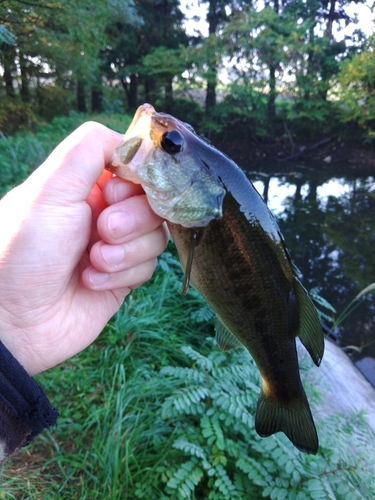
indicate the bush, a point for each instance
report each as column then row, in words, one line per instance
column 242, row 114
column 154, row 410
column 188, row 111
column 15, row 115
column 21, row 153
column 357, row 85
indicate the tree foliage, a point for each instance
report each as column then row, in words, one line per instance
column 115, row 54
column 357, row 88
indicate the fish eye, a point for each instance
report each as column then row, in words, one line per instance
column 172, row 142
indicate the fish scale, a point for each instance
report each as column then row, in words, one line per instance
column 234, row 254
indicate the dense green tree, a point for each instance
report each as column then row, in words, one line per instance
column 290, row 45
column 216, row 16
column 212, row 50
column 57, row 47
column 60, row 54
column 147, row 54
column 357, row 88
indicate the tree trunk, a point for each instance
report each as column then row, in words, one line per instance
column 25, row 93
column 81, row 101
column 148, row 89
column 331, row 17
column 169, row 96
column 271, row 111
column 211, row 88
column 7, row 57
column 96, row 101
column 133, row 93
column 213, row 17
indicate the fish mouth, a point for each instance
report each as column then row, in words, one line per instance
column 135, row 146
column 142, row 114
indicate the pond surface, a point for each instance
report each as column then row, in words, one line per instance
column 327, row 216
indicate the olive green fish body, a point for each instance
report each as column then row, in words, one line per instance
column 232, row 250
column 237, row 271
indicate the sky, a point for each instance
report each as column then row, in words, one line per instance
column 365, row 17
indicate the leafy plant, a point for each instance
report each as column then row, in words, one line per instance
column 322, row 302
column 353, row 304
column 212, row 409
column 356, row 92
column 21, row 153
column 154, row 410
column 241, row 114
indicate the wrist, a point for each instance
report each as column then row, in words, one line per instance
column 12, row 340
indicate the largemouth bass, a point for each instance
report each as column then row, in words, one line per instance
column 233, row 252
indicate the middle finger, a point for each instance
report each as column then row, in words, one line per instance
column 114, row 258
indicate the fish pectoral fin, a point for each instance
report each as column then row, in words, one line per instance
column 225, row 339
column 309, row 330
column 189, row 262
column 293, row 418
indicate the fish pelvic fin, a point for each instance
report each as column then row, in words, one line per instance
column 225, row 338
column 293, row 418
column 189, row 263
column 310, row 330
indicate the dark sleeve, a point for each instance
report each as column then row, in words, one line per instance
column 24, row 408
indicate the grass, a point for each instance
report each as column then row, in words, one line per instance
column 22, row 153
column 153, row 410
column 107, row 433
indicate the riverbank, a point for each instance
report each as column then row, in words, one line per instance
column 342, row 386
column 325, row 151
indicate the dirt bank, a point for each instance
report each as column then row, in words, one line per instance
column 343, row 387
column 326, row 151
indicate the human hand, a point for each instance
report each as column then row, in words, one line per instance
column 73, row 243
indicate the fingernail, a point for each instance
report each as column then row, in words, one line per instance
column 97, row 278
column 113, row 254
column 120, row 224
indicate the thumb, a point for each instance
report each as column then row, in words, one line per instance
column 72, row 169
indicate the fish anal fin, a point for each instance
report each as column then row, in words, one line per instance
column 293, row 418
column 309, row 330
column 225, row 339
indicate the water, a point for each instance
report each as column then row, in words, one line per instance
column 327, row 216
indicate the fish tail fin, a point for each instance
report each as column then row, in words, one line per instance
column 293, row 418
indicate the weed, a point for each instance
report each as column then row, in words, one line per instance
column 154, row 410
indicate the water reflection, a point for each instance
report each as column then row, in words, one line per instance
column 328, row 221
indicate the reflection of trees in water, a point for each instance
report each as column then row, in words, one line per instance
column 333, row 245
column 351, row 227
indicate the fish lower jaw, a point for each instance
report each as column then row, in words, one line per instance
column 171, row 205
column 187, row 219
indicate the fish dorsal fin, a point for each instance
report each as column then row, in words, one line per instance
column 189, row 262
column 310, row 329
column 225, row 339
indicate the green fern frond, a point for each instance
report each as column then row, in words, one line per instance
column 185, row 479
column 189, row 448
column 204, row 315
column 224, row 484
column 212, row 431
column 201, row 361
column 182, row 373
column 255, row 471
column 185, row 401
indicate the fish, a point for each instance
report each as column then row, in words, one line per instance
column 234, row 254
